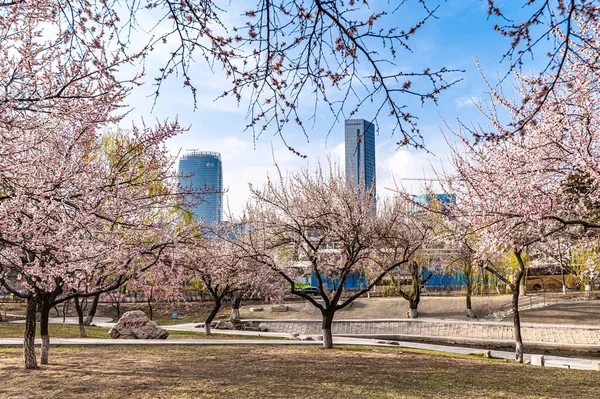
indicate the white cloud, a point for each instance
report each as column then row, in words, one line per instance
column 394, row 167
column 466, row 101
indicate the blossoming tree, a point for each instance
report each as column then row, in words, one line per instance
column 317, row 223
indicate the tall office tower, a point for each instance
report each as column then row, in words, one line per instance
column 360, row 154
column 207, row 174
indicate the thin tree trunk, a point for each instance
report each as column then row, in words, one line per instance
column 116, row 304
column 65, row 308
column 515, row 305
column 80, row 320
column 150, row 307
column 92, row 313
column 469, row 276
column 45, row 334
column 211, row 316
column 517, row 327
column 326, row 326
column 29, row 339
column 235, row 309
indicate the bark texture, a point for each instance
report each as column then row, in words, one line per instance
column 211, row 316
column 90, row 317
column 45, row 307
column 327, row 335
column 518, row 276
column 29, row 339
column 80, row 320
column 235, row 309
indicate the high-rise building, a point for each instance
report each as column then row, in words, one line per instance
column 360, row 154
column 206, row 173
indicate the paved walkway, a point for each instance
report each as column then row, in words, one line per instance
column 567, row 336
column 562, row 335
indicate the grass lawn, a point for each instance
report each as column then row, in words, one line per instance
column 281, row 372
column 9, row 330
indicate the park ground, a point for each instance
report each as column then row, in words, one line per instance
column 282, row 372
column 185, row 372
column 435, row 307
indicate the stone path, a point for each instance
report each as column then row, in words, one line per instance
column 563, row 335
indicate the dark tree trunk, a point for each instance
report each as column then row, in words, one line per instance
column 469, row 276
column 326, row 326
column 116, row 304
column 515, row 307
column 413, row 312
column 45, row 334
column 80, row 320
column 92, row 313
column 415, row 294
column 65, row 309
column 150, row 307
column 211, row 316
column 29, row 339
column 235, row 308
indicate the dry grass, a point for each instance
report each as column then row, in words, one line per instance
column 280, row 372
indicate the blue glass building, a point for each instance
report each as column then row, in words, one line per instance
column 206, row 174
column 360, row 153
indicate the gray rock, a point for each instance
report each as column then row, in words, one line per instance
column 136, row 325
column 228, row 325
column 279, row 308
column 484, row 353
column 258, row 309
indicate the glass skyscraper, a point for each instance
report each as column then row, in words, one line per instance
column 360, row 154
column 206, row 174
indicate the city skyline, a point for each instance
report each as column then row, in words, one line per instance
column 461, row 33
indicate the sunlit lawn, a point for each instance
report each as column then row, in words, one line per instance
column 281, row 372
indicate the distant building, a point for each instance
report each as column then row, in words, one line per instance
column 360, row 154
column 206, row 173
column 432, row 200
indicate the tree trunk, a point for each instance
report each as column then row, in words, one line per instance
column 469, row 276
column 235, row 309
column 92, row 313
column 517, row 326
column 65, row 309
column 415, row 295
column 29, row 339
column 117, row 306
column 150, row 307
column 211, row 316
column 45, row 334
column 515, row 306
column 80, row 320
column 327, row 336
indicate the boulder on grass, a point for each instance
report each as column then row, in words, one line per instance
column 279, row 308
column 228, row 325
column 136, row 325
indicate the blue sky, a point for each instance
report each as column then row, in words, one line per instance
column 461, row 33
